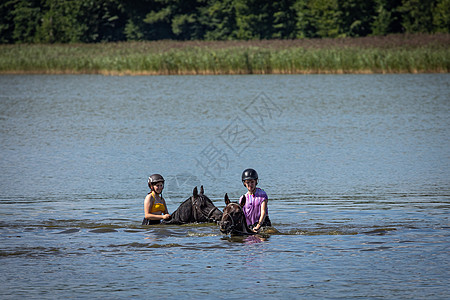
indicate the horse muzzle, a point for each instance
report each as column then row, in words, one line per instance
column 225, row 227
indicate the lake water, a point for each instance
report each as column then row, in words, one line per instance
column 357, row 169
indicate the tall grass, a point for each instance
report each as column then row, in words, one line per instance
column 392, row 54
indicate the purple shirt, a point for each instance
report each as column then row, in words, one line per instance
column 252, row 207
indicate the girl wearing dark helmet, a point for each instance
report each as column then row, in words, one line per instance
column 254, row 202
column 155, row 207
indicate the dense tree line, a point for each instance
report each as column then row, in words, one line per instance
column 65, row 21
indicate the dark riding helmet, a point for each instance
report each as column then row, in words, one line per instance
column 155, row 178
column 249, row 174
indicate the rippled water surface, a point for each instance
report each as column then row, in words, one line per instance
column 356, row 167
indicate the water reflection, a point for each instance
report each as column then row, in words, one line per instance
column 247, row 239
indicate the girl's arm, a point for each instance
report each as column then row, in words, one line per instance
column 263, row 215
column 166, row 212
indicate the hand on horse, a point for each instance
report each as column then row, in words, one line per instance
column 256, row 228
column 166, row 217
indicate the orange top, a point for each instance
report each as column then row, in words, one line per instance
column 157, row 207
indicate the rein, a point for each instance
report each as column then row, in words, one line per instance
column 211, row 212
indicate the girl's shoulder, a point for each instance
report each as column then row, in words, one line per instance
column 150, row 197
column 261, row 193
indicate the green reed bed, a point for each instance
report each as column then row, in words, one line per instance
column 414, row 54
column 352, row 60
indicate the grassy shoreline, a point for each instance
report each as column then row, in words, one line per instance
column 391, row 54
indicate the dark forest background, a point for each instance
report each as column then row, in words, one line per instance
column 89, row 21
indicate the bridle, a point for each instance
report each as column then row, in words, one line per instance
column 211, row 212
column 234, row 225
column 197, row 208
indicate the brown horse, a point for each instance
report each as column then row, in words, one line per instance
column 197, row 208
column 233, row 219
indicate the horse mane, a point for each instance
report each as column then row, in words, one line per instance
column 182, row 213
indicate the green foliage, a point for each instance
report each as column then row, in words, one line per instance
column 261, row 19
column 59, row 23
column 441, row 16
column 417, row 15
column 133, row 32
column 180, row 19
column 219, row 19
column 382, row 18
column 137, row 26
column 356, row 17
column 7, row 21
column 284, row 24
column 105, row 20
column 318, row 18
column 26, row 16
column 64, row 21
column 386, row 17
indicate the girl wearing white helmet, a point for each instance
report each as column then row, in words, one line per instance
column 155, row 207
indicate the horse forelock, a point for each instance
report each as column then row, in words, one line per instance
column 230, row 211
column 233, row 220
column 234, row 206
column 198, row 201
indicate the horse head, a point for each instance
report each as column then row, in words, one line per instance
column 233, row 219
column 203, row 208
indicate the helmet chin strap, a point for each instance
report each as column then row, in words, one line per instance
column 154, row 192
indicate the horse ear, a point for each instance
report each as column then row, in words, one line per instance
column 201, row 190
column 195, row 192
column 242, row 202
column 227, row 200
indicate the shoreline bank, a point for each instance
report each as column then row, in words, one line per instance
column 371, row 55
